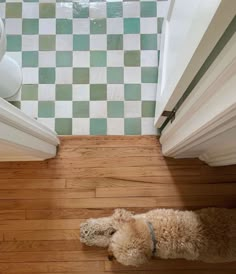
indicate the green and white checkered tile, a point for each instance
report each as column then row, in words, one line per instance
column 89, row 67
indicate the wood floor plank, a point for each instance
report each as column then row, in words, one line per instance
column 54, row 267
column 44, row 245
column 53, row 256
column 12, row 214
column 39, row 224
column 41, row 235
column 20, row 194
column 167, row 190
column 43, row 203
column 171, row 265
column 31, row 183
column 148, row 202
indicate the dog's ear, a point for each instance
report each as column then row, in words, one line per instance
column 121, row 216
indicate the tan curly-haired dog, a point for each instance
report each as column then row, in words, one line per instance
column 208, row 235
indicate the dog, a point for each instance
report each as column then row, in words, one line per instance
column 207, row 235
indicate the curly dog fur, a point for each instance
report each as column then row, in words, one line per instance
column 208, row 235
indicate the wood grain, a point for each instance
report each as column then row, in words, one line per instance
column 43, row 203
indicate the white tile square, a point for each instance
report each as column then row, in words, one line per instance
column 64, row 10
column 97, row 10
column 47, row 59
column 132, row 75
column 98, row 75
column 149, row 58
column 162, row 8
column 47, row 26
column 115, row 58
column 30, row 75
column 63, row 109
column 13, row 26
column 2, row 10
column 98, row 109
column 64, row 42
column 148, row 92
column 30, row 42
column 115, row 126
column 30, row 10
column 48, row 122
column 81, row 93
column 132, row 109
column 131, row 41
column 114, row 0
column 80, row 126
column 81, row 26
column 98, row 42
column 147, row 126
column 115, row 92
column 46, row 92
column 64, row 75
column 17, row 56
column 148, row 25
column 81, row 59
column 115, row 26
column 131, row 9
column 30, row 108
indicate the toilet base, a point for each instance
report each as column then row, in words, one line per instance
column 10, row 77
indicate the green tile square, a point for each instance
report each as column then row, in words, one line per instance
column 131, row 25
column 115, row 109
column 149, row 74
column 132, row 58
column 132, row 92
column 64, row 92
column 29, row 92
column 81, row 109
column 30, row 59
column 14, row 42
column 98, row 26
column 80, row 10
column 47, row 75
column 98, row 126
column 148, row 9
column 115, row 75
column 13, row 10
column 114, row 42
column 63, row 126
column 63, row 26
column 81, row 42
column 81, row 75
column 148, row 41
column 148, row 108
column 64, row 58
column 47, row 10
column 30, row 26
column 98, row 58
column 17, row 104
column 46, row 109
column 98, row 92
column 132, row 126
column 47, row 42
column 114, row 9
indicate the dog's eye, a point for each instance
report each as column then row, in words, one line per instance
column 112, row 232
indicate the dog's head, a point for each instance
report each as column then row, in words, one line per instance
column 131, row 244
column 98, row 232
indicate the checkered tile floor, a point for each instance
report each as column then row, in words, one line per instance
column 89, row 67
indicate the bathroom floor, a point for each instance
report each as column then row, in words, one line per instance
column 89, row 67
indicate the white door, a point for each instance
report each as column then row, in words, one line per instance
column 191, row 31
column 23, row 138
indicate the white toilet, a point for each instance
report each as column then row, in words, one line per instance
column 10, row 71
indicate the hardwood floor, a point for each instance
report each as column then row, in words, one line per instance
column 42, row 204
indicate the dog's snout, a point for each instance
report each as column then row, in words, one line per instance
column 110, row 257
